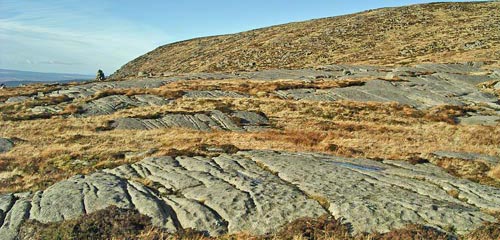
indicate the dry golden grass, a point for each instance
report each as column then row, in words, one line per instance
column 253, row 87
column 439, row 32
column 48, row 150
column 163, row 92
column 22, row 110
column 495, row 172
column 473, row 170
column 29, row 90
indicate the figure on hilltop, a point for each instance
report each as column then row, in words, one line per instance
column 100, row 76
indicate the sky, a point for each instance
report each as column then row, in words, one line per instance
column 73, row 36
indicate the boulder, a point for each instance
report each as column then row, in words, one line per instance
column 6, row 145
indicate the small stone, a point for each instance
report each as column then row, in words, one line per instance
column 390, row 75
column 5, row 145
column 168, row 74
column 347, row 72
column 497, row 86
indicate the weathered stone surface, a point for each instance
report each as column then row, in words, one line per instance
column 420, row 92
column 113, row 103
column 480, row 120
column 17, row 99
column 492, row 160
column 6, row 145
column 259, row 191
column 460, row 68
column 423, row 86
column 231, row 193
column 368, row 194
column 334, row 71
column 213, row 94
column 90, row 89
column 15, row 212
column 452, row 68
column 85, row 194
column 214, row 120
column 195, row 215
column 46, row 109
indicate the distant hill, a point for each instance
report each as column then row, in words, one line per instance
column 437, row 32
column 15, row 78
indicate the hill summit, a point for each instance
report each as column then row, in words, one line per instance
column 437, row 32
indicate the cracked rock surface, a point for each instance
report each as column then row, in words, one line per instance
column 422, row 86
column 213, row 120
column 259, row 191
column 113, row 103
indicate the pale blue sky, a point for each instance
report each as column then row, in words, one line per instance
column 73, row 36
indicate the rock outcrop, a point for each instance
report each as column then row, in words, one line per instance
column 259, row 191
column 422, row 86
column 110, row 104
column 214, row 120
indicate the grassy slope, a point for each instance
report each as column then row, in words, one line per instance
column 438, row 32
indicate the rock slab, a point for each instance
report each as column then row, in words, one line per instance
column 202, row 121
column 259, row 191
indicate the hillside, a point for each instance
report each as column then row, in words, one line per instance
column 439, row 32
column 324, row 151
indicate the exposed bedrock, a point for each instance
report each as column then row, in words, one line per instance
column 113, row 103
column 422, row 86
column 259, row 191
column 203, row 121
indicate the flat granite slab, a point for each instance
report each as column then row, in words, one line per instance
column 259, row 191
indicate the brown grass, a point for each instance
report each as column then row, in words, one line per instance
column 254, row 87
column 29, row 90
column 438, row 32
column 115, row 223
column 495, row 172
column 163, row 92
column 489, row 231
column 56, row 148
column 476, row 171
column 110, row 223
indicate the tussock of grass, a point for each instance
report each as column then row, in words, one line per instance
column 495, row 172
column 115, row 223
column 476, row 171
column 488, row 231
column 110, row 223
